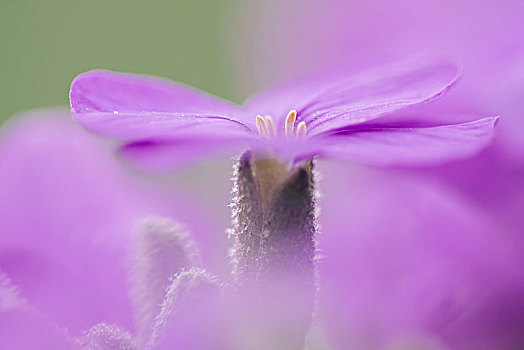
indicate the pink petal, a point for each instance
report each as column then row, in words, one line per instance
column 377, row 93
column 410, row 146
column 162, row 126
column 335, row 98
column 136, row 107
column 106, row 91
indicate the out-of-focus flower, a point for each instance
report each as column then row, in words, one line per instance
column 329, row 114
column 67, row 214
column 408, row 264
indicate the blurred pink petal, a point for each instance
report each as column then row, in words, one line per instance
column 22, row 327
column 163, row 156
column 403, row 259
column 66, row 218
column 26, row 329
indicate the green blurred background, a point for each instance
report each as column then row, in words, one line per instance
column 45, row 44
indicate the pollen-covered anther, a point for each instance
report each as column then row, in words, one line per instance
column 261, row 126
column 290, row 122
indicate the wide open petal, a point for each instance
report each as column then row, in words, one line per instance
column 336, row 98
column 162, row 126
column 410, row 146
column 106, row 91
column 136, row 107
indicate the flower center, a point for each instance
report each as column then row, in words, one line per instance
column 266, row 126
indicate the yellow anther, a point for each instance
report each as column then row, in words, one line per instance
column 272, row 131
column 261, row 125
column 301, row 129
column 290, row 122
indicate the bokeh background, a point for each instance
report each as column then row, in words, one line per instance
column 44, row 45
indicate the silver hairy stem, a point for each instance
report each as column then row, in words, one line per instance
column 274, row 226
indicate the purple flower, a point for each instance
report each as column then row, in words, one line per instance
column 363, row 117
column 330, row 114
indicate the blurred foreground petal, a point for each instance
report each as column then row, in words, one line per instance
column 67, row 211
